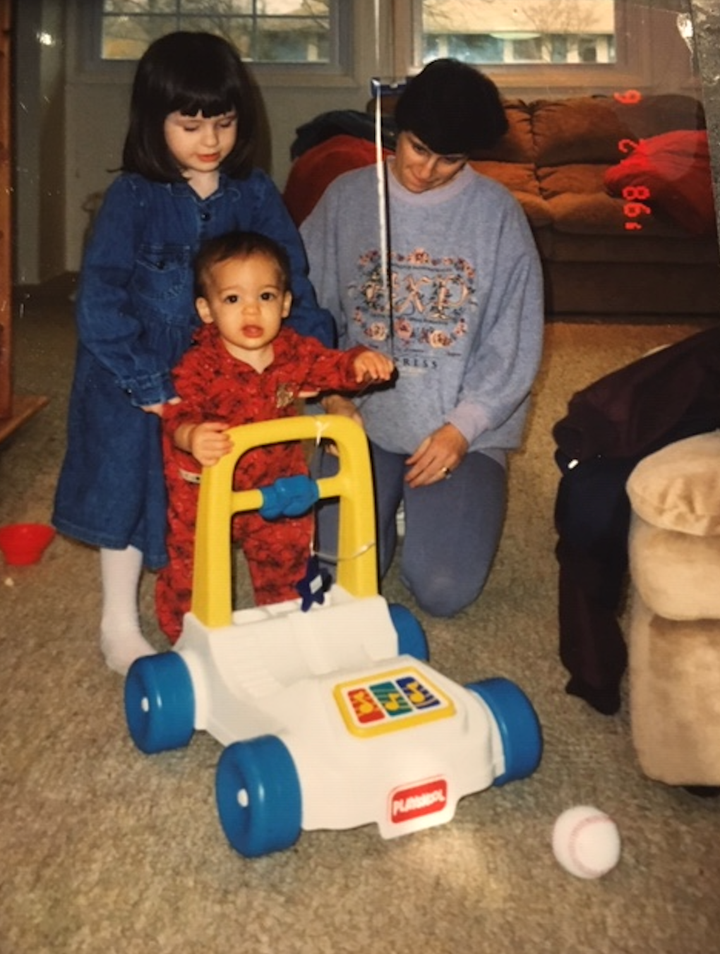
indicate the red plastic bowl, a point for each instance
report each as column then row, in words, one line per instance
column 25, row 543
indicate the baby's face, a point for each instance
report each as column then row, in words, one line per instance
column 246, row 298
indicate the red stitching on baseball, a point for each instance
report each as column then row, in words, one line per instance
column 574, row 833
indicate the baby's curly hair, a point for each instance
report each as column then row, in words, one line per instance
column 240, row 245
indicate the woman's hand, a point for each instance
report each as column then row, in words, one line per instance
column 436, row 457
column 338, row 404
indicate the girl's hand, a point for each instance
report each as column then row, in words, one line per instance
column 208, row 442
column 159, row 408
column 436, row 457
column 373, row 366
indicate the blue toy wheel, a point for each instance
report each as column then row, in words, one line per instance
column 258, row 796
column 159, row 703
column 518, row 724
column 412, row 640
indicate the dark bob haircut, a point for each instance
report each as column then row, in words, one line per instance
column 240, row 245
column 453, row 108
column 189, row 73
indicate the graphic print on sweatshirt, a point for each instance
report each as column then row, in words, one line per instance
column 430, row 297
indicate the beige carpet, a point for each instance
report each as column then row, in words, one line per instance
column 103, row 849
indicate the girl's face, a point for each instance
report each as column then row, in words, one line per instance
column 199, row 144
column 247, row 300
column 420, row 169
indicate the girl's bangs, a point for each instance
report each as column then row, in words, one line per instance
column 207, row 90
column 208, row 104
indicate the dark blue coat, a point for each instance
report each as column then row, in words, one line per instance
column 135, row 318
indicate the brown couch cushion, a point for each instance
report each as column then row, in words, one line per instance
column 660, row 113
column 536, row 209
column 582, row 129
column 516, row 176
column 588, row 214
column 573, row 177
column 517, row 145
column 520, row 179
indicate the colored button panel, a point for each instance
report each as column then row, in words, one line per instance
column 390, row 701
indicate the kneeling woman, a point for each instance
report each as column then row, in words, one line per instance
column 464, row 327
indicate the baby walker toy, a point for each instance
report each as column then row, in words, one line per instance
column 329, row 713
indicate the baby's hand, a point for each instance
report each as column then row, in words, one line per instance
column 373, row 366
column 209, row 442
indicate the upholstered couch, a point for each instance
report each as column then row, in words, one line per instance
column 618, row 195
column 674, row 636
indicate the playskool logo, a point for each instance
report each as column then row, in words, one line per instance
column 423, row 799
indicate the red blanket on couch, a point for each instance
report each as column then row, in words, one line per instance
column 313, row 171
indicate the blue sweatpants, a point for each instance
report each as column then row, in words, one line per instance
column 452, row 527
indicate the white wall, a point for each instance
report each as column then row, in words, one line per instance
column 71, row 122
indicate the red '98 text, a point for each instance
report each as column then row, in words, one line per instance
column 635, row 195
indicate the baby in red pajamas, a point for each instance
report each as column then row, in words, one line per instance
column 245, row 367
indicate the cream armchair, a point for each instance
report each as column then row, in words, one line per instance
column 674, row 638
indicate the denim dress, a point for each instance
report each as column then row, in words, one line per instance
column 135, row 319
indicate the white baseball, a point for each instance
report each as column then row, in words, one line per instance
column 586, row 841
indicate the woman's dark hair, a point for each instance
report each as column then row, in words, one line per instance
column 453, row 108
column 239, row 245
column 189, row 73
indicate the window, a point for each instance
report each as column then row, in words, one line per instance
column 264, row 31
column 517, row 32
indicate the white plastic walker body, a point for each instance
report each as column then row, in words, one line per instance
column 330, row 716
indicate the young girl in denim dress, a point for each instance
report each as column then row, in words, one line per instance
column 187, row 176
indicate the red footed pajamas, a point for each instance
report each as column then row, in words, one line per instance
column 214, row 386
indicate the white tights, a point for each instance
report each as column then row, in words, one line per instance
column 121, row 640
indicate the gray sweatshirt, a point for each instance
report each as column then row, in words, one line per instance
column 466, row 323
